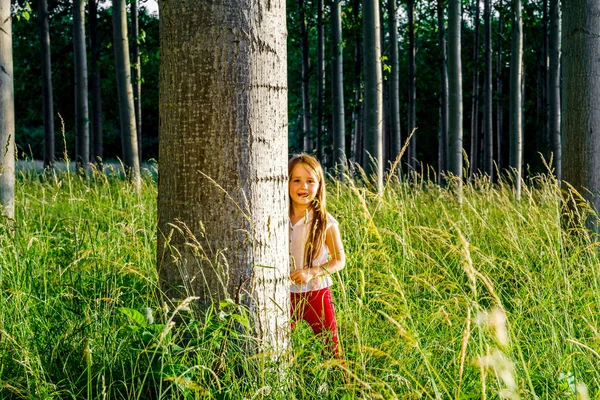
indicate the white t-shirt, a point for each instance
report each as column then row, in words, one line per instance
column 298, row 234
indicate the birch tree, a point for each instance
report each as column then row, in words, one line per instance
column 580, row 122
column 455, row 129
column 554, row 111
column 46, row 67
column 222, row 189
column 82, row 130
column 373, row 101
column 7, row 115
column 443, row 135
column 412, row 86
column 96, row 149
column 304, row 50
column 337, row 71
column 474, row 154
column 516, row 108
column 395, row 139
column 488, row 130
column 136, row 74
column 125, row 93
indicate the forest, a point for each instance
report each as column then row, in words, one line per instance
column 145, row 203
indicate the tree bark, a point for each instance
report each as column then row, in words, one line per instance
column 373, row 101
column 136, row 78
column 223, row 159
column 82, row 130
column 488, row 130
column 499, row 89
column 516, row 110
column 412, row 87
column 46, row 67
column 581, row 100
column 337, row 80
column 554, row 109
column 306, row 112
column 319, row 133
column 7, row 115
column 395, row 138
column 125, row 93
column 474, row 154
column 443, row 135
column 95, row 86
column 455, row 129
column 357, row 117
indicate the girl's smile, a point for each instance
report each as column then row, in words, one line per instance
column 303, row 186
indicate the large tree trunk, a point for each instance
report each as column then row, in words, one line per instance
column 474, row 154
column 554, row 112
column 581, row 99
column 516, row 108
column 82, row 129
column 95, row 86
column 488, row 130
column 136, row 79
column 412, row 87
column 373, row 101
column 125, row 93
column 455, row 128
column 394, row 109
column 47, row 104
column 337, row 82
column 443, row 135
column 223, row 159
column 7, row 115
column 319, row 133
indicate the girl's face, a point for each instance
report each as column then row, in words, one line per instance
column 304, row 185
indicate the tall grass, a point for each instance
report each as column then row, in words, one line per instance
column 487, row 299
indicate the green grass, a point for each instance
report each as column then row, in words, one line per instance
column 420, row 304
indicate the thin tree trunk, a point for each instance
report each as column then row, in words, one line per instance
column 373, row 101
column 47, row 102
column 395, row 138
column 499, row 90
column 385, row 87
column 443, row 136
column 125, row 93
column 320, row 78
column 82, row 130
column 412, row 87
column 223, row 155
column 554, row 109
column 516, row 110
column 7, row 115
column 96, row 86
column 306, row 112
column 474, row 154
column 136, row 78
column 358, row 109
column 455, row 126
column 488, row 130
column 337, row 81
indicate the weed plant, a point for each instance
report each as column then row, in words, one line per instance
column 490, row 298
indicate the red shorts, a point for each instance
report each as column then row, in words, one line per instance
column 316, row 308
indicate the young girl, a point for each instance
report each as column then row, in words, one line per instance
column 316, row 249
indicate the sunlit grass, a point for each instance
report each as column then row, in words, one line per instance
column 438, row 300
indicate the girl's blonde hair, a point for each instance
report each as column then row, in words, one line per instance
column 316, row 233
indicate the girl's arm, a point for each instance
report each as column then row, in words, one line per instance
column 333, row 241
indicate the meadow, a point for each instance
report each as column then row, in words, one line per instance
column 487, row 299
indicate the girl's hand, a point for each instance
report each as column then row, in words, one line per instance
column 304, row 275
